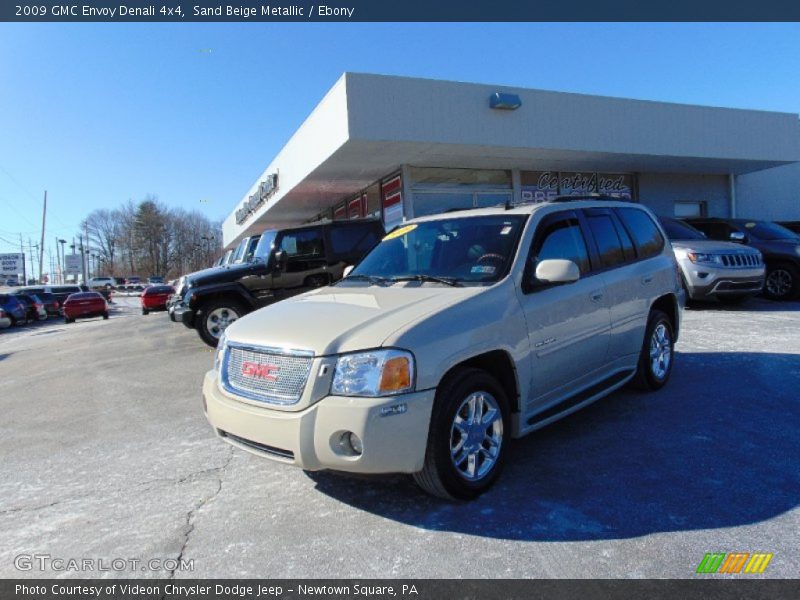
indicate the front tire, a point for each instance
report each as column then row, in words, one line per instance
column 782, row 282
column 145, row 311
column 468, row 435
column 215, row 318
column 658, row 351
column 105, row 316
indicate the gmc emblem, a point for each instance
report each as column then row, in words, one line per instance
column 268, row 372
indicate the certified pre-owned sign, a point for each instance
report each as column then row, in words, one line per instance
column 265, row 189
column 11, row 264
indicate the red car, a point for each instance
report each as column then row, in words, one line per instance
column 84, row 305
column 155, row 297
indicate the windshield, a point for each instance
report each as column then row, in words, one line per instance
column 265, row 244
column 464, row 250
column 237, row 257
column 765, row 230
column 678, row 230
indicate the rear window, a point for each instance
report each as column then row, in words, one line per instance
column 160, row 289
column 84, row 296
column 608, row 243
column 66, row 289
column 648, row 239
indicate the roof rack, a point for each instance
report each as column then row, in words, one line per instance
column 586, row 197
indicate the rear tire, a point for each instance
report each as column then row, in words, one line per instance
column 67, row 320
column 468, row 435
column 105, row 316
column 145, row 311
column 657, row 355
column 782, row 282
column 215, row 318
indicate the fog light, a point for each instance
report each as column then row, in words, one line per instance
column 350, row 443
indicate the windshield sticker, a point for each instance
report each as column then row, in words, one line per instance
column 750, row 225
column 485, row 269
column 505, row 230
column 398, row 232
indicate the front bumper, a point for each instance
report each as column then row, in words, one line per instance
column 183, row 314
column 393, row 430
column 708, row 281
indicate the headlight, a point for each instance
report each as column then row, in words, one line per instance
column 221, row 345
column 375, row 373
column 697, row 257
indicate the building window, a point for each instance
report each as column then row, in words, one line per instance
column 690, row 209
column 392, row 192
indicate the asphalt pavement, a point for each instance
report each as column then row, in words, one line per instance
column 106, row 455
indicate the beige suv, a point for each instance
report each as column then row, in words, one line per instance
column 454, row 334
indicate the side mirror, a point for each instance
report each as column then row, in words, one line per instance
column 281, row 258
column 347, row 270
column 738, row 237
column 557, row 270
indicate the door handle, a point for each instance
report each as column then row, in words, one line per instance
column 597, row 296
column 647, row 279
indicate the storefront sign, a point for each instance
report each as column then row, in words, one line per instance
column 11, row 264
column 541, row 186
column 266, row 189
column 392, row 191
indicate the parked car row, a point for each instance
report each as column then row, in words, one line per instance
column 38, row 303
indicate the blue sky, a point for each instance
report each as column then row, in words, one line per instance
column 101, row 113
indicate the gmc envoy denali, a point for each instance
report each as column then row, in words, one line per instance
column 455, row 333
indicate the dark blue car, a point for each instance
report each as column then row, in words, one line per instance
column 14, row 308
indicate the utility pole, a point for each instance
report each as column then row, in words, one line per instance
column 41, row 244
column 85, row 254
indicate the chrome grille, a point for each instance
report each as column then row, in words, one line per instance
column 741, row 260
column 269, row 375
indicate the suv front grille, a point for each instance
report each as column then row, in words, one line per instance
column 270, row 375
column 741, row 260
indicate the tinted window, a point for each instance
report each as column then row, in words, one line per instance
column 716, row 231
column 353, row 239
column 303, row 244
column 563, row 239
column 608, row 243
column 766, row 230
column 646, row 235
column 84, row 296
column 678, row 230
column 66, row 289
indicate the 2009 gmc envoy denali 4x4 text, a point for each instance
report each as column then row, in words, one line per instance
column 455, row 333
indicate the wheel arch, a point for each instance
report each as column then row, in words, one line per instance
column 668, row 304
column 500, row 365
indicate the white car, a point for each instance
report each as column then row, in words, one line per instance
column 101, row 282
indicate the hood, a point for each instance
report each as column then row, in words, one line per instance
column 712, row 247
column 219, row 274
column 338, row 319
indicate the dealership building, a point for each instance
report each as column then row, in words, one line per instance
column 398, row 147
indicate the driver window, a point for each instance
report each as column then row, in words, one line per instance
column 562, row 238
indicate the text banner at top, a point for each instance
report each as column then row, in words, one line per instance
column 143, row 11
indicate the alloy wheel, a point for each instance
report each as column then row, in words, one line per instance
column 219, row 319
column 660, row 351
column 779, row 283
column 476, row 436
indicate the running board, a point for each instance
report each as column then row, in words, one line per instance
column 581, row 397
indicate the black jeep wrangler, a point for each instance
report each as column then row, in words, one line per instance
column 275, row 265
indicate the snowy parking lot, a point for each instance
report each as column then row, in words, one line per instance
column 107, row 455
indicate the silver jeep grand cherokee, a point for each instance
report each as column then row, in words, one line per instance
column 454, row 334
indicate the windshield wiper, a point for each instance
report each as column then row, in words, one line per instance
column 373, row 279
column 451, row 281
